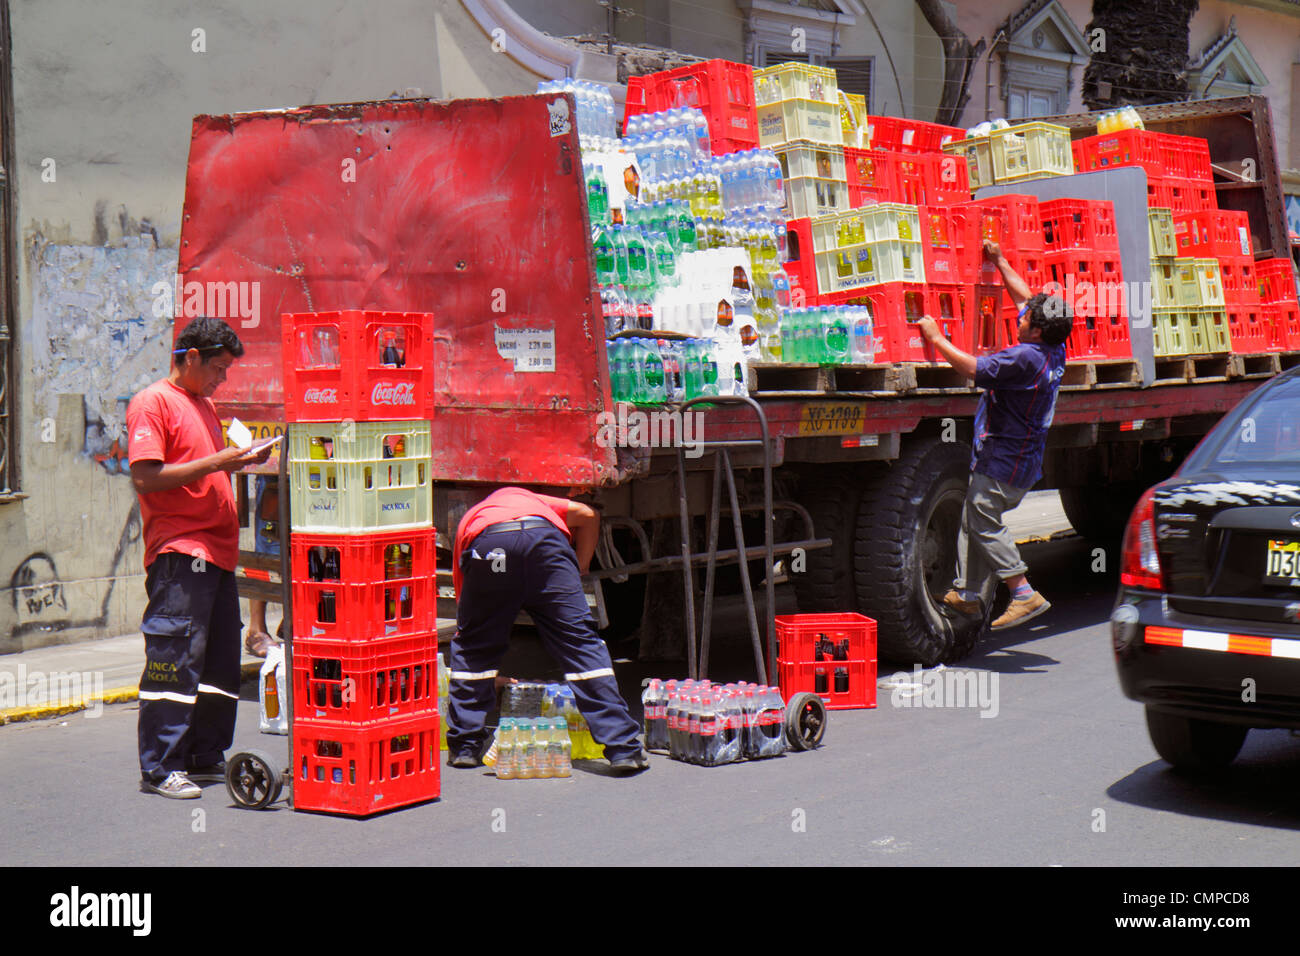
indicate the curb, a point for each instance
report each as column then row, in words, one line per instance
column 118, row 695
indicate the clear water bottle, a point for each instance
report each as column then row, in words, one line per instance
column 864, row 346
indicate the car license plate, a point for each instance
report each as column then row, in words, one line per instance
column 1283, row 563
column 832, row 418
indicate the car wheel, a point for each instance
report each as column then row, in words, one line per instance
column 1196, row 746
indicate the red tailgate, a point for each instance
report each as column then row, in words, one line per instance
column 472, row 210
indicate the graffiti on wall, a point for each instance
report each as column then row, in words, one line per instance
column 39, row 594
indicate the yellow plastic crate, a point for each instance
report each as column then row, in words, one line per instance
column 1164, row 285
column 979, row 159
column 358, row 441
column 1213, row 326
column 877, row 222
column 853, row 119
column 788, row 81
column 1161, row 225
column 869, row 263
column 805, row 158
column 808, row 196
column 1198, row 282
column 1171, row 328
column 785, row 121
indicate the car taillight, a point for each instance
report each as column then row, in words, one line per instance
column 1140, row 567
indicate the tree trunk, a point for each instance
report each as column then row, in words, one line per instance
column 959, row 59
column 1144, row 59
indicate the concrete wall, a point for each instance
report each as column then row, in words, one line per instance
column 103, row 99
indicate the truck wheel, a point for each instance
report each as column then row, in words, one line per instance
column 1100, row 513
column 1194, row 746
column 831, row 496
column 906, row 554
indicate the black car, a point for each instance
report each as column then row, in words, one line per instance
column 1206, row 626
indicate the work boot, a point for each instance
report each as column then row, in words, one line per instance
column 1018, row 612
column 956, row 602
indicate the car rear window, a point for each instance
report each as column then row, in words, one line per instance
column 1267, row 431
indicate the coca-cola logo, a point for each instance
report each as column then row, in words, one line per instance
column 393, row 393
column 321, row 396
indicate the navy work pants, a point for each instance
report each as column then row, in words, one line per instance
column 190, row 686
column 535, row 570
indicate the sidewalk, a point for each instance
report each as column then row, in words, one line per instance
column 120, row 660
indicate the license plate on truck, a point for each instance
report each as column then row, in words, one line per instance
column 832, row 418
column 1283, row 562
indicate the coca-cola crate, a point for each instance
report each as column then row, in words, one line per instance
column 1217, row 233
column 1276, row 280
column 365, row 683
column 860, row 196
column 1181, row 196
column 1020, row 230
column 340, row 497
column 359, row 366
column 801, row 265
column 367, row 769
column 1240, row 282
column 1073, row 224
column 722, row 90
column 1186, row 157
column 842, row 685
column 897, row 134
column 872, row 169
column 897, row 307
column 946, row 178
column 1128, row 147
column 944, row 238
column 994, row 319
column 1284, row 326
column 797, row 635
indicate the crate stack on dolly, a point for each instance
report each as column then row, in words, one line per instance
column 830, row 655
column 358, row 395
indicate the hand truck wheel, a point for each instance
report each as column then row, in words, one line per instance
column 805, row 721
column 253, row 779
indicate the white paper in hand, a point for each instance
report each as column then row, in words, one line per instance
column 239, row 434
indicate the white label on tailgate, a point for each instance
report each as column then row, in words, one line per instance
column 532, row 350
column 1244, row 235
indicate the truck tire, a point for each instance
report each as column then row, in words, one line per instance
column 831, row 496
column 1194, row 746
column 1100, row 513
column 906, row 552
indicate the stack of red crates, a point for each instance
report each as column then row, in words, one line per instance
column 723, row 91
column 830, row 655
column 1178, row 170
column 906, row 163
column 365, row 648
column 1278, row 304
column 1081, row 255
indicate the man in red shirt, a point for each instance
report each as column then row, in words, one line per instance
column 517, row 550
column 181, row 470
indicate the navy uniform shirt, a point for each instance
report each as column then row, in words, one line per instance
column 1015, row 411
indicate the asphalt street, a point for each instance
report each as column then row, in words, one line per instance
column 1060, row 772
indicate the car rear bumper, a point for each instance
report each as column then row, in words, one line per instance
column 1208, row 668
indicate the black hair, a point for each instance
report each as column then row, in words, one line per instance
column 210, row 337
column 1052, row 315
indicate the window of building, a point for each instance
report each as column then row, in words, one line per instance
column 1043, row 47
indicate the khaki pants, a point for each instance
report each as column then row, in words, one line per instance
column 984, row 542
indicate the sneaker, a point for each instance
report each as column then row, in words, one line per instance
column 464, row 761
column 177, row 786
column 1018, row 612
column 956, row 602
column 214, row 773
column 630, row 764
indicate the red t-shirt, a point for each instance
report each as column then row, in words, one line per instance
column 166, row 423
column 505, row 504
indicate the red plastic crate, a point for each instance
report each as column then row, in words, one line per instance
column 897, row 307
column 1213, row 233
column 797, row 635
column 1186, row 157
column 1021, row 228
column 363, row 770
column 947, row 179
column 722, row 90
column 1087, row 224
column 858, row 677
column 364, row 683
column 1249, row 329
column 1128, row 147
column 871, row 169
column 1240, row 282
column 364, row 602
column 1284, row 326
column 800, row 266
column 951, row 243
column 1092, row 284
column 860, row 196
column 1276, row 280
column 897, row 134
column 1181, row 196
column 994, row 319
column 356, row 386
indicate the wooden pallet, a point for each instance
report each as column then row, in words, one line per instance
column 773, row 380
column 1198, row 369
column 1091, row 374
column 1259, row 365
column 1286, row 360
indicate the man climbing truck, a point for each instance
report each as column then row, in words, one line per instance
column 1015, row 411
